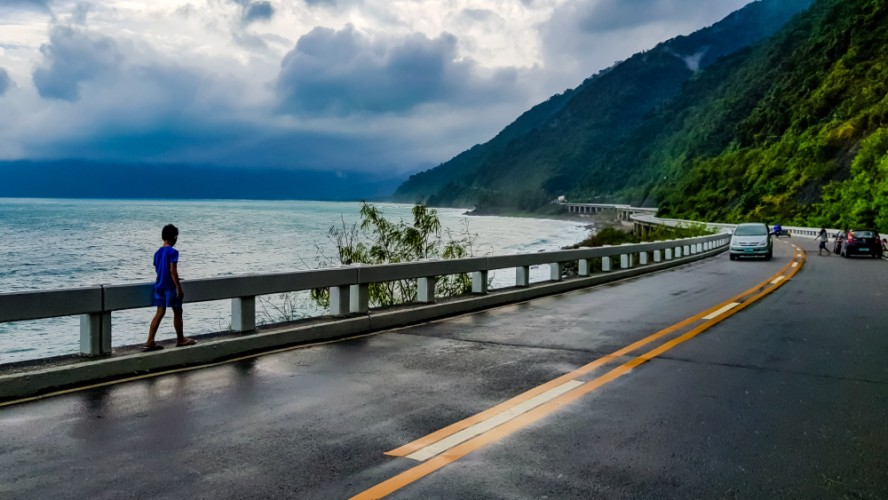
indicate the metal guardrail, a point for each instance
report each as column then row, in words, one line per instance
column 349, row 286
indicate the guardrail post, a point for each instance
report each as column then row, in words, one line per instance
column 606, row 265
column 339, row 300
column 555, row 269
column 522, row 276
column 95, row 333
column 585, row 267
column 243, row 314
column 678, row 252
column 658, row 256
column 626, row 261
column 479, row 282
column 425, row 290
column 669, row 254
column 359, row 301
column 643, row 258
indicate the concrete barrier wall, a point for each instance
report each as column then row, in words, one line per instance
column 666, row 254
column 347, row 285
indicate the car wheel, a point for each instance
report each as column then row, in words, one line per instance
column 769, row 255
column 732, row 256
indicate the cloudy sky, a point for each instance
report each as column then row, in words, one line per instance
column 360, row 85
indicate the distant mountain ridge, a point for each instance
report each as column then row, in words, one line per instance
column 564, row 145
column 86, row 179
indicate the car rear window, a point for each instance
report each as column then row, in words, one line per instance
column 756, row 230
column 863, row 234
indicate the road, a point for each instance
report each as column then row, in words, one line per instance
column 786, row 397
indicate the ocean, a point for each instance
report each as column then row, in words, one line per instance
column 59, row 244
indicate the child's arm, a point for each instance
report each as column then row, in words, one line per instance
column 174, row 273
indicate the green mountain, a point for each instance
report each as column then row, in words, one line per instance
column 793, row 130
column 566, row 145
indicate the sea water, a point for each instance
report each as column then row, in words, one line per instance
column 62, row 244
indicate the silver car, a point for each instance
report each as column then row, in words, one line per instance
column 752, row 239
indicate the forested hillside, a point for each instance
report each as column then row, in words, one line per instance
column 793, row 131
column 567, row 144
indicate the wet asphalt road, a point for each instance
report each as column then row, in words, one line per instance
column 786, row 399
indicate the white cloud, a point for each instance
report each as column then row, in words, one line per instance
column 327, row 84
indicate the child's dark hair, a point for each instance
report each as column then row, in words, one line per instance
column 169, row 233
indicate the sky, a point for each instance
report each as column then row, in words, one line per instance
column 383, row 86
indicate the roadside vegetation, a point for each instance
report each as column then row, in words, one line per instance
column 374, row 239
column 615, row 236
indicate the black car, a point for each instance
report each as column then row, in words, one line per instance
column 862, row 242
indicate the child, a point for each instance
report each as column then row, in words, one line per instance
column 167, row 289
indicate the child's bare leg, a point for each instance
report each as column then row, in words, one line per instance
column 181, row 339
column 155, row 324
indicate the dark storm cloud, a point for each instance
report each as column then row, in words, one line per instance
column 258, row 11
column 72, row 57
column 344, row 72
column 5, row 82
column 255, row 11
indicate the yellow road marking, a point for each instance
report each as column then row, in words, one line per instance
column 482, row 427
column 422, row 442
column 415, row 473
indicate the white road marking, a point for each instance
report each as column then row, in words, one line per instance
column 722, row 310
column 482, row 427
column 778, row 280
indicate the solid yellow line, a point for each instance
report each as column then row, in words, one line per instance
column 415, row 473
column 445, row 432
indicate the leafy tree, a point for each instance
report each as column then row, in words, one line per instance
column 374, row 239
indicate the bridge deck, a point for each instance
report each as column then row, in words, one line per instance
column 788, row 397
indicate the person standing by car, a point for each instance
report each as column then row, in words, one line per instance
column 822, row 237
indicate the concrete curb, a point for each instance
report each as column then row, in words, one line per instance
column 43, row 380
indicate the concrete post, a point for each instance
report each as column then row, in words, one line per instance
column 643, row 258
column 479, row 282
column 606, row 264
column 95, row 334
column 339, row 300
column 585, row 267
column 425, row 290
column 243, row 314
column 669, row 254
column 359, row 298
column 626, row 261
column 555, row 269
column 522, row 276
